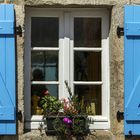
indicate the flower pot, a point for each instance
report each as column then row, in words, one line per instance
column 50, row 123
column 57, row 124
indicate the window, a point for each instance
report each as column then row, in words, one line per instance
column 72, row 45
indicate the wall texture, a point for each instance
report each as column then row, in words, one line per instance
column 116, row 8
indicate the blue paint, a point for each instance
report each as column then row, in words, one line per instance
column 7, row 71
column 132, row 29
column 132, row 70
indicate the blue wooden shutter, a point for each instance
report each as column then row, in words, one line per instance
column 7, row 71
column 132, row 70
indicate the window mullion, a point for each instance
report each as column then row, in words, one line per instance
column 71, row 53
column 66, row 56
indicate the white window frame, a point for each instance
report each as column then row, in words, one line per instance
column 66, row 17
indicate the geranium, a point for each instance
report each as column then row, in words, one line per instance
column 69, row 107
column 67, row 120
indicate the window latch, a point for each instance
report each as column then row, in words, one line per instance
column 120, row 31
column 120, row 116
column 19, row 30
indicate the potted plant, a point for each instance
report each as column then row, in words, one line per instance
column 66, row 116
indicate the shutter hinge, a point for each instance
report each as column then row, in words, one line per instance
column 120, row 116
column 19, row 30
column 120, row 31
column 19, row 115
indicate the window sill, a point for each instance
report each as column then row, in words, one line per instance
column 96, row 122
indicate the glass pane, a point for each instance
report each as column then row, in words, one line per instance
column 44, row 66
column 44, row 32
column 92, row 98
column 39, row 91
column 87, row 32
column 87, row 66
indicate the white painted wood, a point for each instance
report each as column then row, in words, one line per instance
column 95, row 124
column 99, row 125
column 71, row 53
column 66, row 55
column 87, row 49
column 105, row 68
column 45, row 82
column 87, row 83
column 44, row 49
column 61, row 56
column 37, row 118
column 97, row 118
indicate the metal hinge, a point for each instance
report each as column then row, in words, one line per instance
column 19, row 30
column 120, row 31
column 120, row 116
column 19, row 115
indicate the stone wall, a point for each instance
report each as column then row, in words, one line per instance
column 116, row 8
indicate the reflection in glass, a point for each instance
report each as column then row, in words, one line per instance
column 87, row 66
column 87, row 32
column 44, row 32
column 91, row 96
column 45, row 66
column 39, row 91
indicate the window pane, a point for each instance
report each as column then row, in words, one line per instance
column 44, row 32
column 92, row 98
column 87, row 32
column 45, row 66
column 87, row 66
column 39, row 91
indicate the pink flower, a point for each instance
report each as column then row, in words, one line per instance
column 67, row 121
column 46, row 92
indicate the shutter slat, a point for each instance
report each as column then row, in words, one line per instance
column 6, row 27
column 7, row 116
column 132, row 29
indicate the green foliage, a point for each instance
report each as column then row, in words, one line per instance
column 50, row 104
column 77, row 127
column 79, row 124
column 60, row 127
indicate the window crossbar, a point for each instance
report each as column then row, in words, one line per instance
column 44, row 82
column 88, row 49
column 88, row 83
column 44, row 49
